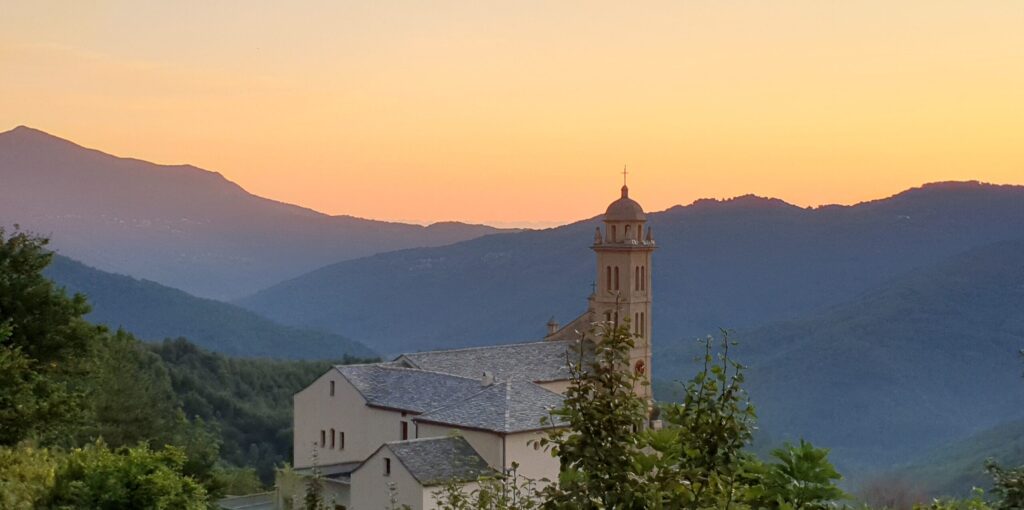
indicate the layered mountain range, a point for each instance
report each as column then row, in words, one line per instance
column 883, row 330
column 180, row 225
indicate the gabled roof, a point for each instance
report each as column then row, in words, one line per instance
column 407, row 389
column 534, row 361
column 438, row 460
column 505, row 407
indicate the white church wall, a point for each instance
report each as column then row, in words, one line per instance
column 370, row 485
column 365, row 428
column 534, row 462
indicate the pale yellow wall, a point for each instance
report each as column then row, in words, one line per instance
column 366, row 428
column 534, row 463
column 487, row 444
column 556, row 386
column 429, row 503
column 500, row 452
column 370, row 486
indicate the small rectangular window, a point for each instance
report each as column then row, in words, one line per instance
column 387, row 466
column 332, row 388
column 341, row 440
column 332, row 439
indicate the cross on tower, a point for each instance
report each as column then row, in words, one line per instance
column 624, row 172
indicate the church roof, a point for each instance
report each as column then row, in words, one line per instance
column 407, row 389
column 435, row 461
column 625, row 209
column 511, row 406
column 533, row 361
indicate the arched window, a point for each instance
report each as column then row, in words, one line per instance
column 636, row 323
column 616, row 277
column 643, row 277
column 608, row 278
column 332, row 439
column 643, row 324
column 636, row 278
column 613, row 233
column 627, row 233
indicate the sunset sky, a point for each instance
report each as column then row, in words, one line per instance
column 524, row 112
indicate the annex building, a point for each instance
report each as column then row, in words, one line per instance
column 400, row 429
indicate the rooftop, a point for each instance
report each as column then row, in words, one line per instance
column 408, row 389
column 533, row 361
column 439, row 460
column 511, row 406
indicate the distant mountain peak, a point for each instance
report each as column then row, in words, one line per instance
column 742, row 202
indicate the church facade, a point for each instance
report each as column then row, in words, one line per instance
column 398, row 430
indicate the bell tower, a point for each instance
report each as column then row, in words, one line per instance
column 623, row 285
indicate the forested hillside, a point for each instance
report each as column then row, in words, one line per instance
column 248, row 401
column 920, row 362
column 91, row 418
column 154, row 312
column 954, row 468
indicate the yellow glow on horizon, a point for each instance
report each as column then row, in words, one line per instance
column 525, row 111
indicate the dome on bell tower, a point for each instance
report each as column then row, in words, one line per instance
column 625, row 209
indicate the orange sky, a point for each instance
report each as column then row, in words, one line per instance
column 523, row 112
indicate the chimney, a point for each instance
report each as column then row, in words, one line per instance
column 488, row 378
column 552, row 326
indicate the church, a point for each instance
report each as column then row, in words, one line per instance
column 396, row 431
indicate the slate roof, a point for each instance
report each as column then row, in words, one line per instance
column 506, row 407
column 533, row 361
column 439, row 460
column 408, row 389
column 338, row 472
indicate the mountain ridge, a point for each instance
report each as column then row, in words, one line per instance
column 719, row 264
column 181, row 225
column 154, row 312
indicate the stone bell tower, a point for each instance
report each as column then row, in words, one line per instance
column 623, row 283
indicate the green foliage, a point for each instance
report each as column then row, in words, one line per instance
column 975, row 502
column 1007, row 486
column 26, row 476
column 100, row 478
column 705, row 465
column 599, row 449
column 504, row 492
column 248, row 401
column 237, row 481
column 42, row 346
column 802, row 479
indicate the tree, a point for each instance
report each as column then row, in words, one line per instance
column 314, row 498
column 600, row 446
column 45, row 344
column 26, row 475
column 100, row 478
column 699, row 460
column 802, row 479
column 1007, row 486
